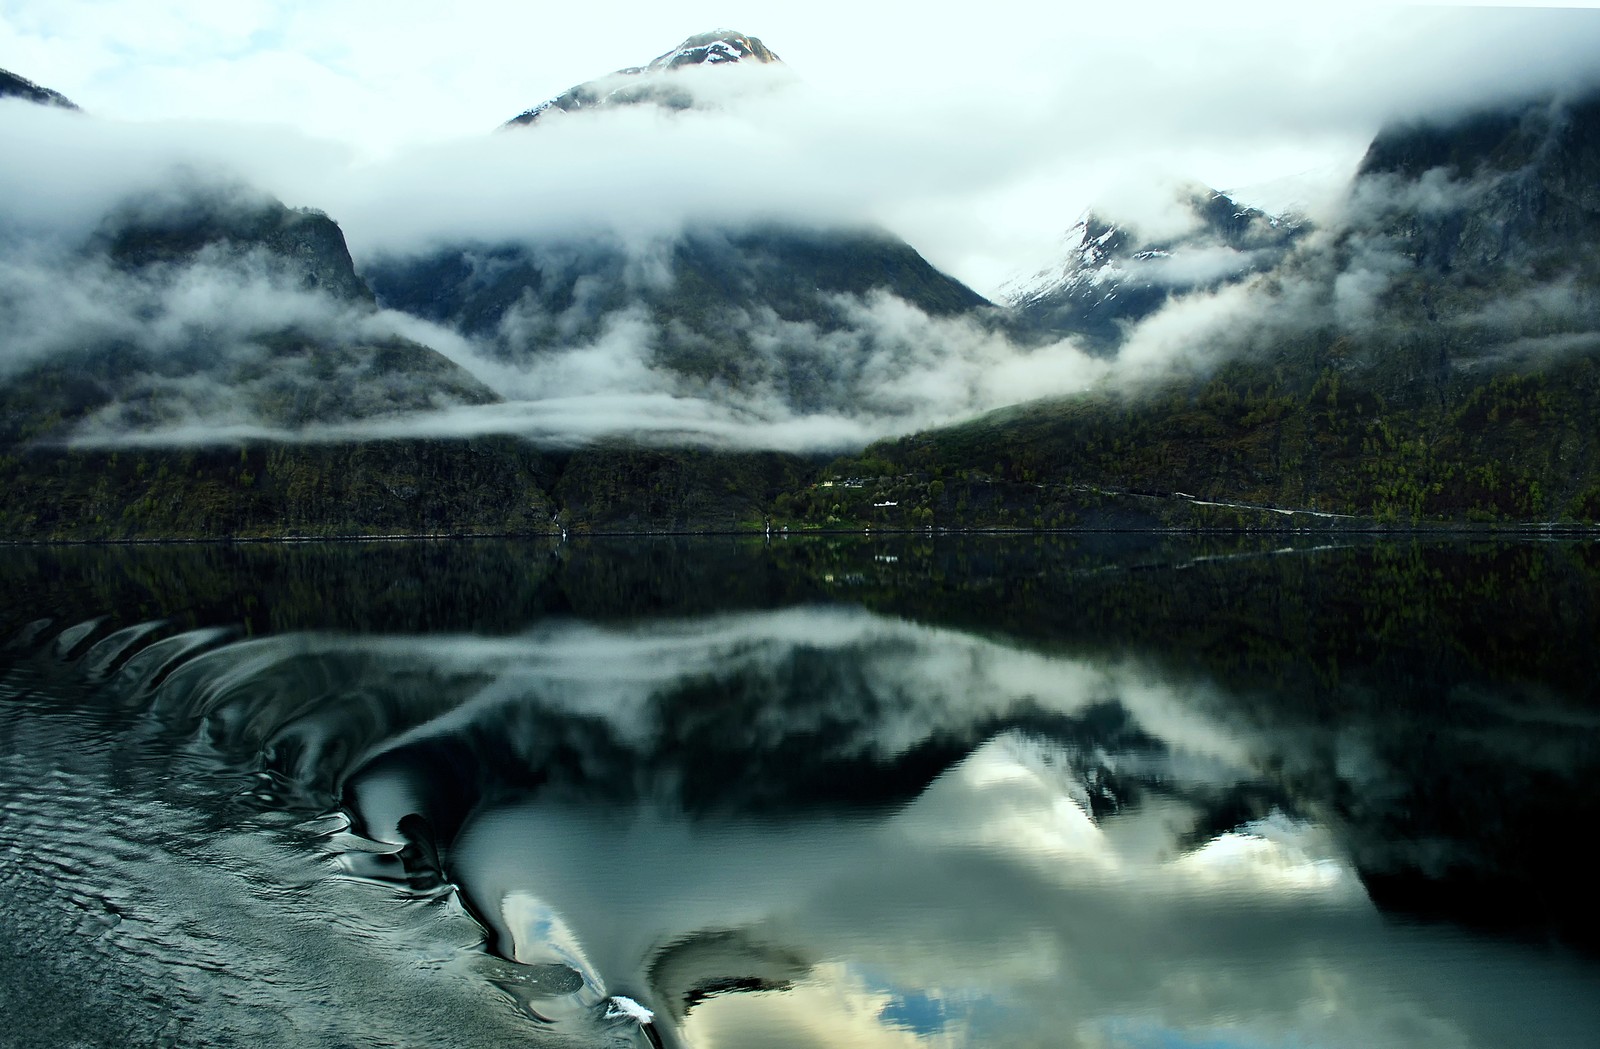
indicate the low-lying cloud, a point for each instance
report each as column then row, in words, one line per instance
column 58, row 302
column 228, row 346
column 207, row 351
column 914, row 371
column 765, row 148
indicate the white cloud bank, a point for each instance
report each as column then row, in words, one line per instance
column 977, row 137
column 977, row 145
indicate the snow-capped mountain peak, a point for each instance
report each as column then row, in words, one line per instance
column 1110, row 275
column 652, row 83
column 715, row 48
column 1089, row 256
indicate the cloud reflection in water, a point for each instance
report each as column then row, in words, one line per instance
column 822, row 827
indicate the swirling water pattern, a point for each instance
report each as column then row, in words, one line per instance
column 806, row 825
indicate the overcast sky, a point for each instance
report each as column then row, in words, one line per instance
column 979, row 137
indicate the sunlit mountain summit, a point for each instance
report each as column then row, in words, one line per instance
column 652, row 83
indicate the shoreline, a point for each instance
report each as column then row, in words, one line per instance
column 1443, row 530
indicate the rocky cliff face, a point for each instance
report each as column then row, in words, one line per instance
column 1468, row 245
column 1113, row 276
column 1508, row 187
column 228, row 222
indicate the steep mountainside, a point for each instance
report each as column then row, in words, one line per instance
column 651, row 84
column 214, row 308
column 1510, row 188
column 224, row 222
column 1431, row 356
column 775, row 311
column 1112, row 276
column 1467, row 251
column 1441, row 360
column 745, row 308
column 13, row 86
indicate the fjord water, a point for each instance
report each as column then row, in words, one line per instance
column 1122, row 791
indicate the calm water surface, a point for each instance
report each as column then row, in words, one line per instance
column 968, row 791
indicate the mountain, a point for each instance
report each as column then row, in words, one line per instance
column 1465, row 252
column 652, row 83
column 1112, row 276
column 192, row 218
column 208, row 362
column 1429, row 355
column 14, row 86
column 1508, row 188
column 1482, row 230
column 773, row 310
column 197, row 343
column 215, row 307
column 776, row 313
column 1435, row 356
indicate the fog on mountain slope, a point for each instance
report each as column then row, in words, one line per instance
column 1115, row 276
column 1468, row 230
column 728, row 330
column 649, row 84
column 1482, row 224
column 207, row 312
column 778, row 332
column 731, row 322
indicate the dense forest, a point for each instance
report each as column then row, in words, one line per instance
column 1236, row 450
column 1496, row 449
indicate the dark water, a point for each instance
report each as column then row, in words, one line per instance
column 1119, row 792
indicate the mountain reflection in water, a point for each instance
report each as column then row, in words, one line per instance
column 774, row 816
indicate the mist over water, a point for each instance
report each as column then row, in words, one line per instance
column 887, row 793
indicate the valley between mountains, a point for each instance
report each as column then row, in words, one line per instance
column 183, row 355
